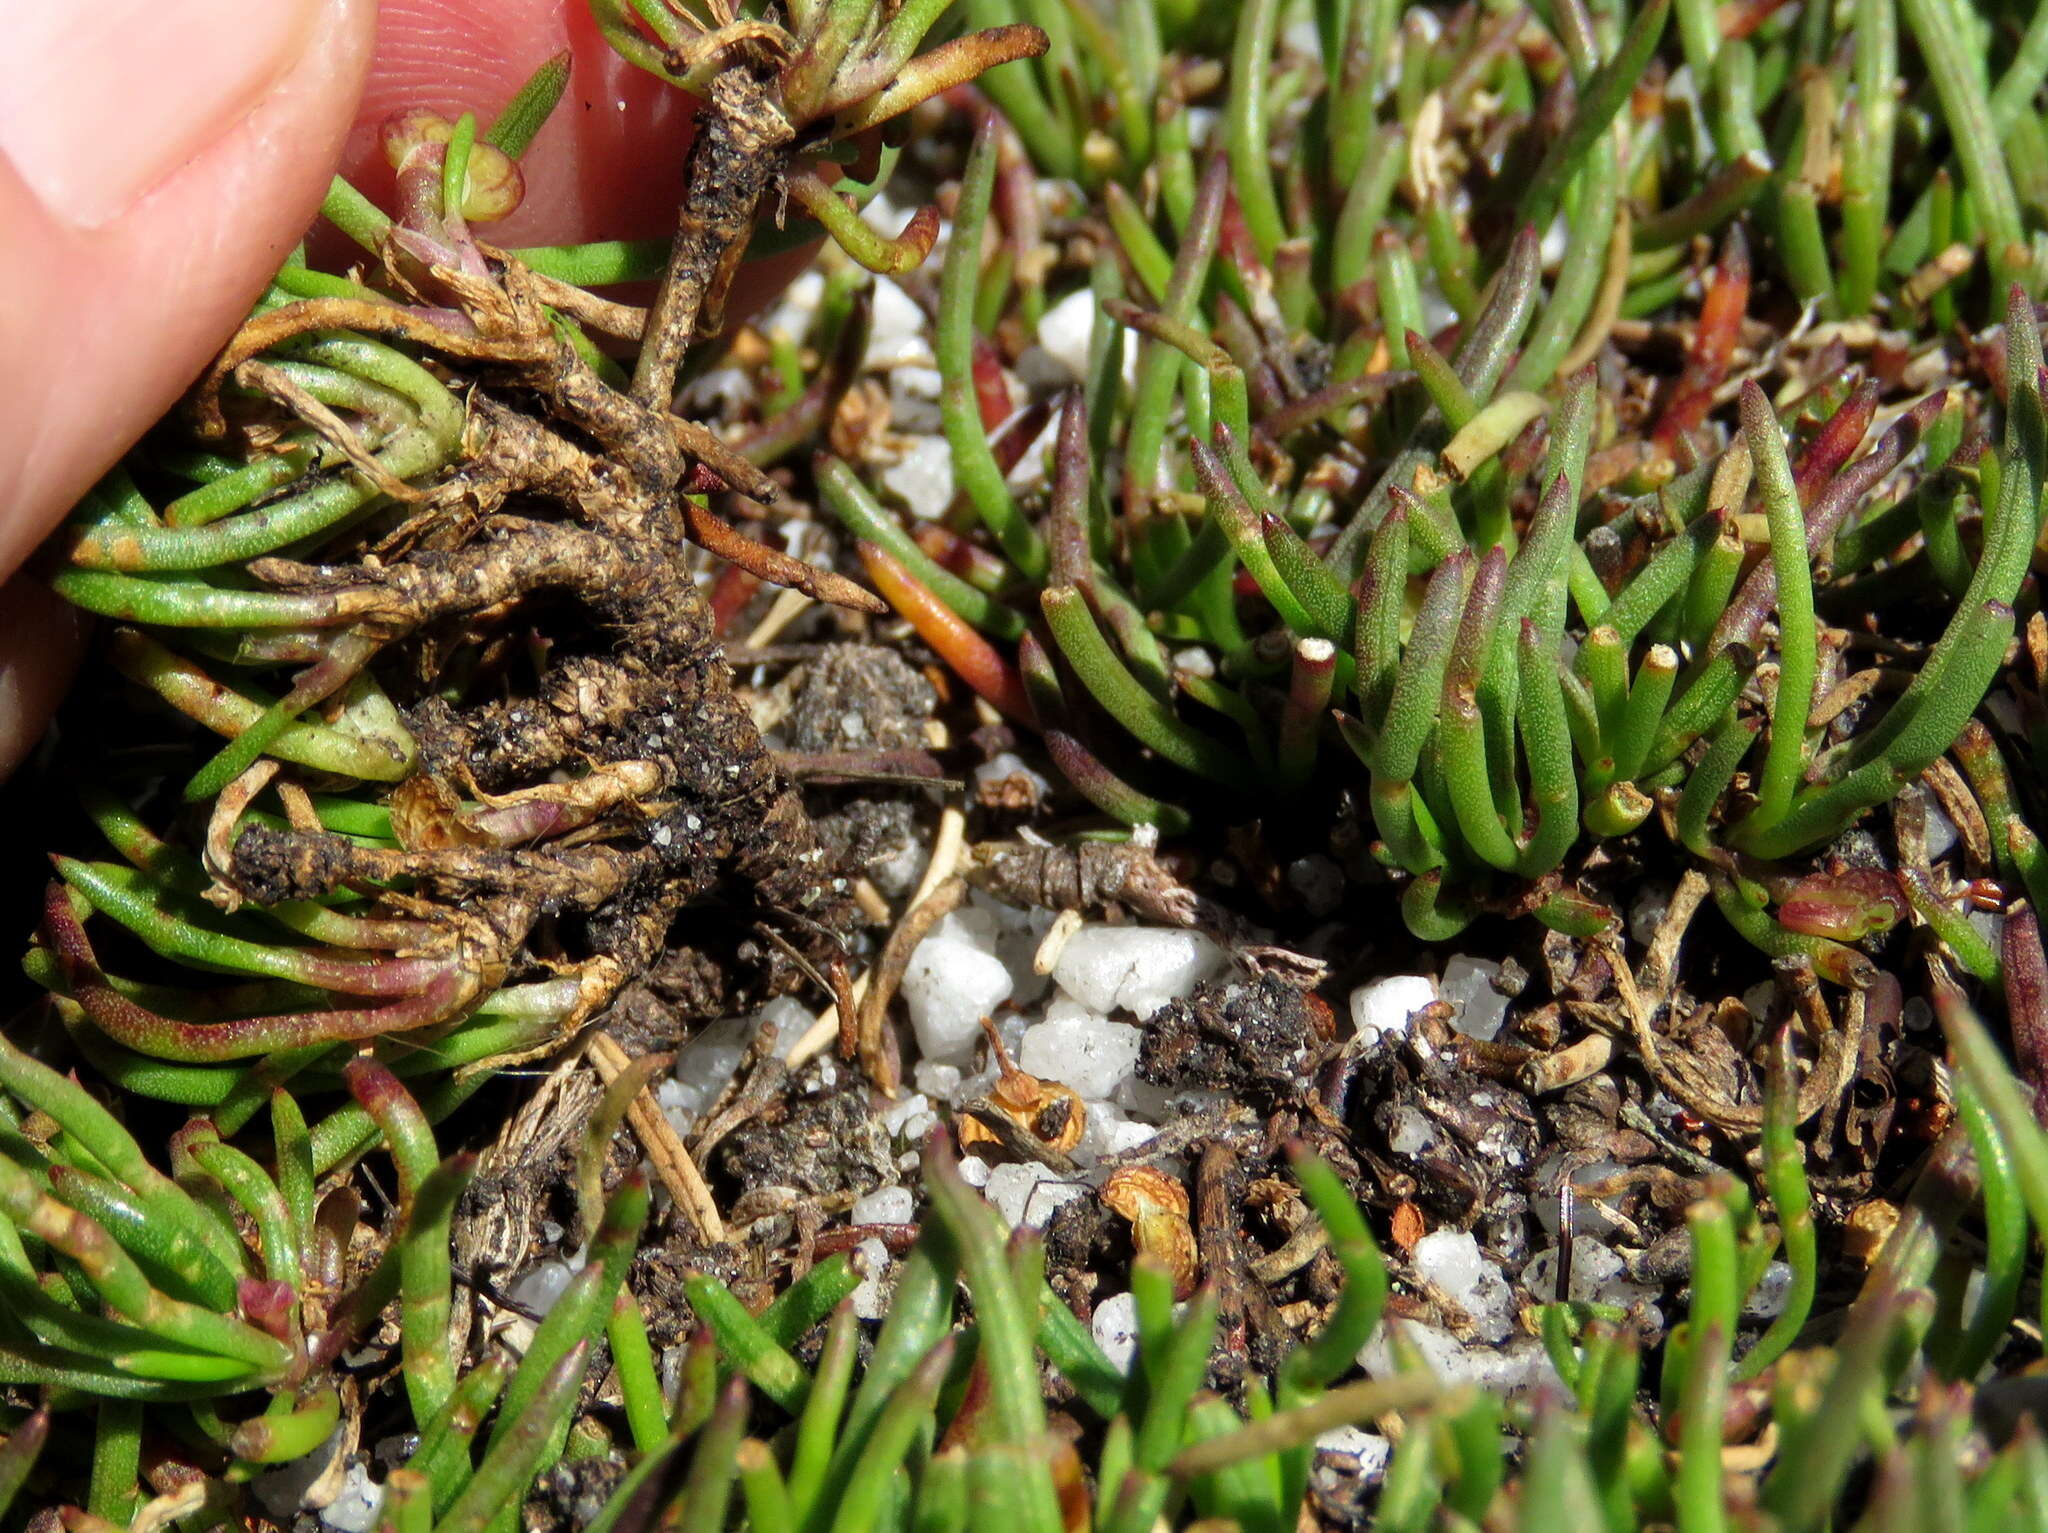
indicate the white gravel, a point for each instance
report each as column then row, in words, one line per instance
column 922, row 478
column 885, row 1205
column 1077, row 1048
column 1519, row 1366
column 355, row 1506
column 1389, row 1005
column 953, row 980
column 1478, row 1009
column 871, row 1298
column 897, row 337
column 1027, row 1195
column 1137, row 969
column 1116, row 1329
column 1063, row 332
column 1372, row 1451
column 1452, row 1261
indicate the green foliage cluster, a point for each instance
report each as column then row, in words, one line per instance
column 1533, row 610
column 940, row 1422
column 1540, row 595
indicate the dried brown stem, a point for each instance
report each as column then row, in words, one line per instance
column 732, row 162
column 716, row 536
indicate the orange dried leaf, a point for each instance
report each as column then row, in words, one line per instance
column 1157, row 1207
column 1408, row 1225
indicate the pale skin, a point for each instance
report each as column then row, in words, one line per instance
column 158, row 161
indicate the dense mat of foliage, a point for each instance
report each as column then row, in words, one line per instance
column 1494, row 474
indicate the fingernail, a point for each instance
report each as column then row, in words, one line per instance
column 100, row 100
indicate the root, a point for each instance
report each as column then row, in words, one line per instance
column 590, row 807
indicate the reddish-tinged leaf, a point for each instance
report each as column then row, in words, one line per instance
column 2026, row 1002
column 1834, row 443
column 991, row 389
column 960, row 556
column 730, row 593
column 971, row 656
column 1713, row 344
column 1845, row 906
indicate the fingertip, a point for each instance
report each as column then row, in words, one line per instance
column 41, row 637
column 110, row 316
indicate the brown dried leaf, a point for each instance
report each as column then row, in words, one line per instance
column 425, row 816
column 1052, row 1114
column 1868, row 1227
column 1409, row 1226
column 1157, row 1207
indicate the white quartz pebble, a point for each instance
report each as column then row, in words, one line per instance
column 885, row 1205
column 1116, row 1329
column 1091, row 1054
column 1389, row 1005
column 923, row 477
column 1135, row 968
column 1027, row 1195
column 1477, row 1008
column 953, row 980
column 1452, row 1261
column 1063, row 332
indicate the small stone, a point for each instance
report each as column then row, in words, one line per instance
column 911, row 1117
column 720, row 391
column 913, row 400
column 1063, row 332
column 538, row 1287
column 1029, row 473
column 1599, row 1276
column 1089, row 1053
column 974, row 1171
column 887, row 1205
column 1027, row 1195
column 1478, row 1009
column 1389, row 1005
column 939, row 1082
column 1007, row 781
column 1411, row 1131
column 1453, row 1262
column 952, row 981
column 1647, row 913
column 354, row 1508
column 1767, row 1300
column 897, row 873
column 1319, row 882
column 1135, row 968
column 1590, row 1216
column 1941, row 831
column 282, row 1491
column 793, row 316
column 871, row 1297
column 1047, row 1198
column 791, row 1018
column 1516, row 1368
column 1109, row 1131
column 1116, row 1329
column 896, row 333
column 1040, row 372
column 1371, row 1450
column 922, row 478
column 704, row 1067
